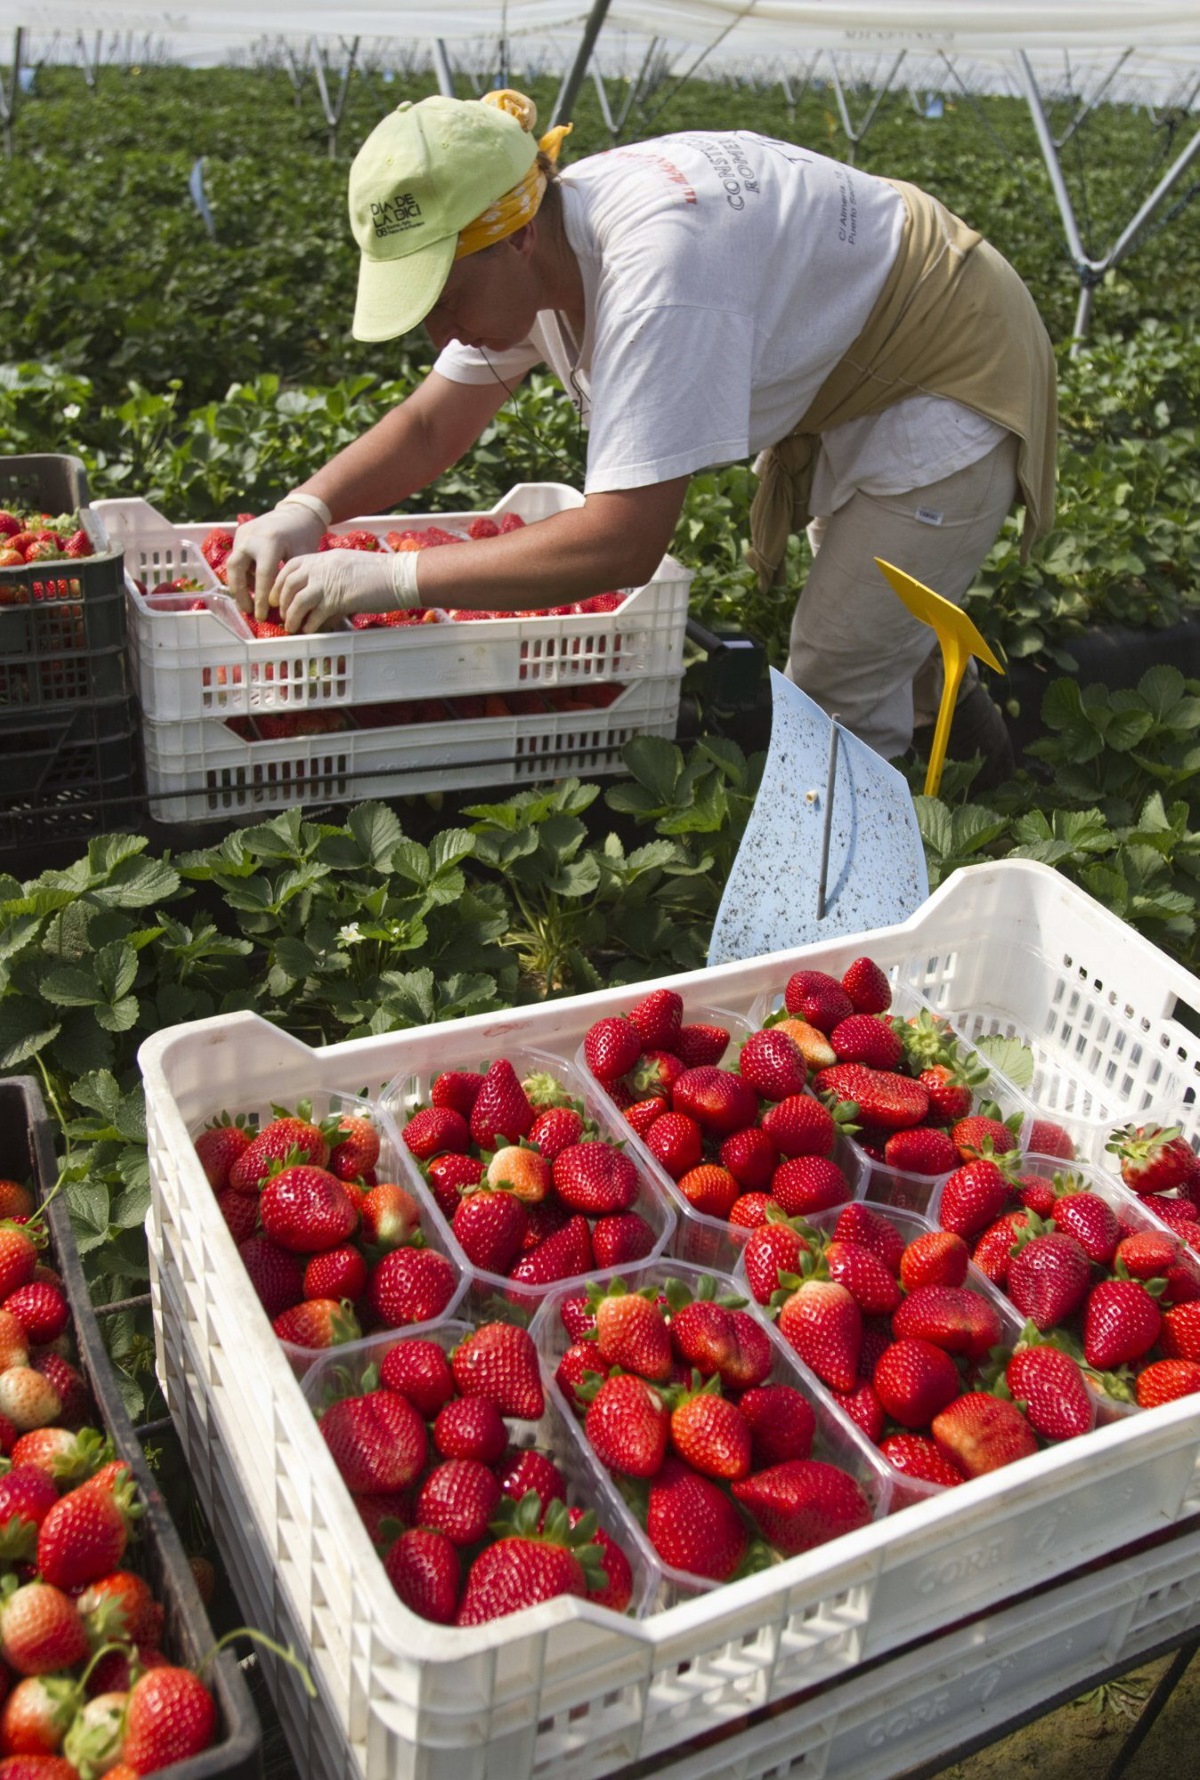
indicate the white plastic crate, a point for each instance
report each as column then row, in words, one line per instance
column 191, row 664
column 199, row 770
column 567, row 1687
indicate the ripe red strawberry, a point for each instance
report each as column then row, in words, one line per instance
column 627, row 1424
column 773, row 1248
column 1153, row 1254
column 865, row 1038
column 338, row 1273
column 817, row 998
column 276, row 1274
column 555, row 1129
column 499, row 1361
column 711, row 1434
column 41, row 1630
column 862, row 1223
column 490, row 1227
column 275, row 1143
column 562, row 1255
column 378, row 1441
column 611, row 1047
column 306, row 1209
column 719, row 1101
column 420, row 1371
column 318, row 1323
column 632, row 1333
column 782, row 1424
column 952, row 1317
column 457, row 1089
column 411, row 1285
column 703, row 1336
column 41, row 1309
column 862, row 1405
column 240, row 1211
column 218, row 1146
column 873, row 1288
column 1152, row 1158
column 27, row 1494
column 867, row 987
column 1047, row 1138
column 423, row 1567
column 502, row 1110
column 1092, row 1222
column 749, row 1210
column 169, row 1716
column 121, row 1605
column 530, row 1565
column 447, row 1175
column 84, row 1535
column 1048, row 1278
column 936, row 1258
column 914, row 1456
column 617, row 1592
column 802, row 1503
column 700, row 1045
column 773, row 1064
column 710, row 1189
column 1165, row 1380
column 1121, row 1322
column 951, row 1095
column 436, row 1130
column 973, row 1197
column 980, row 1433
column 355, row 1147
column 1036, row 1193
column 1050, row 1388
column 1180, row 1335
column 994, row 1250
column 922, row 1149
column 801, row 1126
column 458, row 1499
column 656, row 1074
column 18, row 1257
column 915, row 1380
column 676, row 1141
column 643, row 1113
column 658, row 1017
column 809, row 1184
column 884, row 1099
column 620, row 1240
column 751, row 1156
column 823, row 1323
column 595, row 1178
column 529, row 1469
column 692, row 1524
column 977, row 1135
column 751, row 1356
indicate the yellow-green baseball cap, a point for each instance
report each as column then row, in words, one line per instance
column 423, row 174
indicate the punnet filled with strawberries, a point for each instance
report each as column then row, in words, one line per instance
column 107, row 1661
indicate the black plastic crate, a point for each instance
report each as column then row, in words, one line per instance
column 62, row 623
column 27, row 1152
column 69, row 771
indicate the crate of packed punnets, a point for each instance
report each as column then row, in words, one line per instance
column 572, row 1381
column 197, row 655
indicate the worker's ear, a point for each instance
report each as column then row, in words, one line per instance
column 524, row 239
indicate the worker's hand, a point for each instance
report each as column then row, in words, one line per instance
column 261, row 545
column 313, row 592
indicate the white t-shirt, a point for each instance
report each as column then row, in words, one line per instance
column 724, row 276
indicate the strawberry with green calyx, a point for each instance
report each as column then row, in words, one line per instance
column 545, row 1093
column 749, row 1210
column 1049, row 1274
column 803, row 1503
column 95, row 1741
column 576, row 1373
column 425, row 1569
column 535, row 1557
column 951, row 1088
column 981, row 1136
column 449, row 1177
column 630, row 1330
column 703, row 1332
column 68, row 1458
column 528, row 1469
column 27, row 1494
column 773, row 1064
column 219, row 1146
column 318, row 1323
column 1152, row 1158
column 170, row 1714
column 707, row 1431
column 878, row 1097
column 981, row 1433
column 1122, row 1321
column 1050, row 1390
column 42, row 1709
column 354, row 1146
column 775, row 1248
column 617, row 1592
column 693, row 1525
column 490, row 1225
column 120, row 1606
column 500, row 1361
column 288, row 1137
column 84, row 1535
column 1154, row 1254
column 994, row 1249
column 656, row 1074
column 627, row 1424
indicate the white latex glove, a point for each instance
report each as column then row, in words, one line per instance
column 313, row 592
column 262, row 545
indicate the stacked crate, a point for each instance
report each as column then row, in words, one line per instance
column 408, row 706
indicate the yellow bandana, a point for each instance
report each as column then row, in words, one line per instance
column 515, row 208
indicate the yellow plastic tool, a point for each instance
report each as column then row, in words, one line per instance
column 959, row 640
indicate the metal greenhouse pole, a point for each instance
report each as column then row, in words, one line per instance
column 1090, row 270
column 568, row 92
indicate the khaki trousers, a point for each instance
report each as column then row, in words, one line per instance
column 855, row 648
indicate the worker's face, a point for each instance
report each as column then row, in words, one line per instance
column 490, row 299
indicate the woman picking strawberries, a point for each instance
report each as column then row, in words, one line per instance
column 703, row 297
